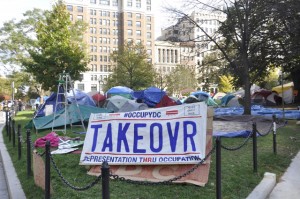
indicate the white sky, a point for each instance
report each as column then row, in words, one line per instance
column 10, row 9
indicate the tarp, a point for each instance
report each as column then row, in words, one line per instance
column 47, row 121
column 153, row 96
column 120, row 90
column 82, row 98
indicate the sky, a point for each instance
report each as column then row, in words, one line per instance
column 10, row 9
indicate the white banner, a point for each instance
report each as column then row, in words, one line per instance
column 170, row 135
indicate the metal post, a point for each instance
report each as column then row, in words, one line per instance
column 47, row 170
column 9, row 129
column 6, row 122
column 254, row 148
column 13, row 133
column 218, row 169
column 105, row 180
column 28, row 153
column 19, row 142
column 274, row 135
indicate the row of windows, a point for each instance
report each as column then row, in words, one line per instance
column 104, row 40
column 167, row 56
column 105, row 2
column 102, row 49
column 102, row 68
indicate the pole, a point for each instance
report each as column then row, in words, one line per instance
column 274, row 135
column 47, row 170
column 105, row 180
column 218, row 169
column 28, row 153
column 282, row 95
column 13, row 133
column 19, row 142
column 254, row 148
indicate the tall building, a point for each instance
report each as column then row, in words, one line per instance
column 111, row 23
column 186, row 31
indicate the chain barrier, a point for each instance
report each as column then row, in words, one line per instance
column 69, row 184
column 34, row 149
column 240, row 146
column 166, row 182
column 267, row 133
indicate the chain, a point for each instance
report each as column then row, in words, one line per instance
column 166, row 182
column 69, row 184
column 33, row 148
column 240, row 146
column 264, row 134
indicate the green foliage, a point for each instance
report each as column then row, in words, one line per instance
column 132, row 68
column 181, row 78
column 225, row 84
column 60, row 49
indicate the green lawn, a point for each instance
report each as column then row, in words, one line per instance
column 238, row 178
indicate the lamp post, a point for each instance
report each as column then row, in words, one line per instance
column 282, row 94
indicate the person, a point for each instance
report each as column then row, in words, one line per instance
column 20, row 104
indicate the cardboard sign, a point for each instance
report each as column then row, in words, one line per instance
column 170, row 135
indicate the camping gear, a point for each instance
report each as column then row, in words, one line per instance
column 132, row 105
column 114, row 103
column 151, row 96
column 288, row 92
column 121, row 91
column 166, row 101
column 52, row 137
column 204, row 96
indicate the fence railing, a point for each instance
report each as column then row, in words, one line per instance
column 105, row 169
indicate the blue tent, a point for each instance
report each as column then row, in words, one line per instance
column 226, row 99
column 120, row 90
column 153, row 96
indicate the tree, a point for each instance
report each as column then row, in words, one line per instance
column 181, row 78
column 132, row 68
column 60, row 48
column 225, row 84
column 244, row 32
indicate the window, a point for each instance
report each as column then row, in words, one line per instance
column 71, row 17
column 79, row 17
column 115, row 22
column 148, row 26
column 149, row 51
column 94, row 87
column 138, row 3
column 104, row 2
column 148, row 2
column 138, row 41
column 138, row 24
column 115, row 2
column 115, row 14
column 138, row 16
column 79, row 9
column 129, row 23
column 149, row 43
column 93, row 12
column 80, row 87
column 148, row 19
column 69, row 8
column 93, row 1
column 129, row 3
column 148, row 35
column 129, row 32
column 129, row 15
column 138, row 33
column 149, row 8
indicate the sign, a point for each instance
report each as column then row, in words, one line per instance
column 170, row 135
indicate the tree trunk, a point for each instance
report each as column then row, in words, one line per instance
column 295, row 76
column 247, row 102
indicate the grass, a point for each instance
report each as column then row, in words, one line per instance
column 238, row 178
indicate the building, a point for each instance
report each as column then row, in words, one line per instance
column 186, row 31
column 111, row 23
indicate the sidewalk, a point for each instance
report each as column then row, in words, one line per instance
column 10, row 186
column 289, row 184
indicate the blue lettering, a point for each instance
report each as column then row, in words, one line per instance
column 187, row 135
column 95, row 137
column 107, row 143
column 137, row 137
column 122, row 137
column 173, row 136
column 160, row 137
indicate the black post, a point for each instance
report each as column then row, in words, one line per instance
column 13, row 133
column 28, row 153
column 105, row 180
column 9, row 129
column 6, row 122
column 19, row 142
column 47, row 170
column 218, row 168
column 274, row 135
column 254, row 148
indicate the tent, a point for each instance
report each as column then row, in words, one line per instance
column 204, row 96
column 230, row 100
column 285, row 91
column 121, row 91
column 99, row 99
column 219, row 95
column 132, row 105
column 114, row 103
column 166, row 101
column 81, row 98
column 273, row 99
column 152, row 96
column 260, row 96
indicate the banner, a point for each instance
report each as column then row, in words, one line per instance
column 170, row 135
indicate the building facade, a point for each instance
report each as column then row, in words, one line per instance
column 111, row 23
